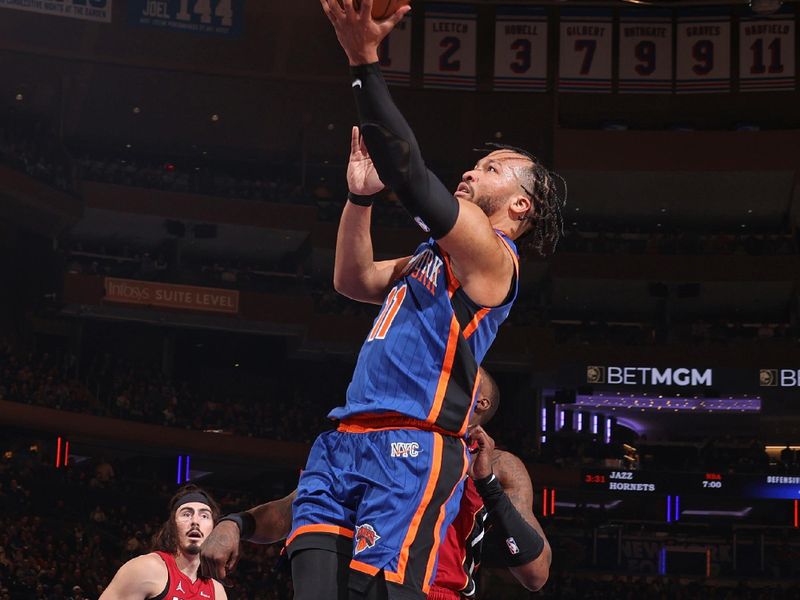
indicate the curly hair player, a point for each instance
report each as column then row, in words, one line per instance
column 378, row 494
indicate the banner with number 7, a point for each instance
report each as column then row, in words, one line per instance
column 585, row 50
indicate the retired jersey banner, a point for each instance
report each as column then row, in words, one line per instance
column 450, row 46
column 207, row 17
column 645, row 51
column 520, row 53
column 395, row 54
column 186, row 297
column 86, row 10
column 585, row 50
column 703, row 64
column 767, row 52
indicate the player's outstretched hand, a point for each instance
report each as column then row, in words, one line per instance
column 482, row 464
column 220, row 551
column 362, row 178
column 358, row 33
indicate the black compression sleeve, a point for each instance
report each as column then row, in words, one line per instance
column 522, row 542
column 246, row 522
column 396, row 154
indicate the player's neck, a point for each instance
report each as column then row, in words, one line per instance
column 188, row 564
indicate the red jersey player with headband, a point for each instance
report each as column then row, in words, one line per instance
column 172, row 570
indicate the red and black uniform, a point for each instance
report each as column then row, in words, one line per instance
column 460, row 552
column 180, row 587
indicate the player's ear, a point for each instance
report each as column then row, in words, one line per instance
column 521, row 207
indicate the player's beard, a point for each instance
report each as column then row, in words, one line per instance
column 192, row 547
column 487, row 204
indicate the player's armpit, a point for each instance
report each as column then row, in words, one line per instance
column 141, row 577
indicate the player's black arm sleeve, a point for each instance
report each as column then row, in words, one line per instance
column 522, row 543
column 396, row 154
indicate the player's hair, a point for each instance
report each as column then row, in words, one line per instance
column 546, row 217
column 166, row 538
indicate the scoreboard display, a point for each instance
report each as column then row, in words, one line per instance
column 703, row 484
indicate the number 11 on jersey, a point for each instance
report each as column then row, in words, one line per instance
column 389, row 311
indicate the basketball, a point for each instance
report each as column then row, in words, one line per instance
column 381, row 9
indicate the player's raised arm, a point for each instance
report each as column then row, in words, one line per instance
column 461, row 226
column 355, row 272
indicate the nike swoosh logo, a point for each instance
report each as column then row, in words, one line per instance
column 357, row 83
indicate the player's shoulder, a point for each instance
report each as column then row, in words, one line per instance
column 146, row 574
column 509, row 468
column 146, row 564
column 219, row 591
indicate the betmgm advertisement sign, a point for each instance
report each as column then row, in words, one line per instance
column 780, row 378
column 649, row 376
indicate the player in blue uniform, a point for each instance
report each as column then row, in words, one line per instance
column 379, row 492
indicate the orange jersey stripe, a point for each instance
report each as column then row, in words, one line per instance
column 447, row 366
column 411, row 535
column 357, row 565
column 476, row 320
column 332, row 529
column 437, row 541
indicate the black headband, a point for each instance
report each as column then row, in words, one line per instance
column 191, row 497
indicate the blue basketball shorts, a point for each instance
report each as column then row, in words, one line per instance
column 384, row 497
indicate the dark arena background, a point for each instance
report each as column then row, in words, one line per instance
column 650, row 370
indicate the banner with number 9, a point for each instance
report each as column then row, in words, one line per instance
column 704, row 51
column 645, row 51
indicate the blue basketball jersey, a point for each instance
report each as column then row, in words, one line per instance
column 420, row 359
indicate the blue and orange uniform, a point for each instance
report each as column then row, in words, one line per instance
column 385, row 485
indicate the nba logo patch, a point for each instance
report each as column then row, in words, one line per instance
column 366, row 537
column 512, row 545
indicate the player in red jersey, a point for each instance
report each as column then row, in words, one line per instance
column 460, row 552
column 475, row 529
column 171, row 571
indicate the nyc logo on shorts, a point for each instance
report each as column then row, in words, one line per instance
column 405, row 450
column 366, row 537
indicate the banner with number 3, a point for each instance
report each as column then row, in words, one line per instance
column 520, row 54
